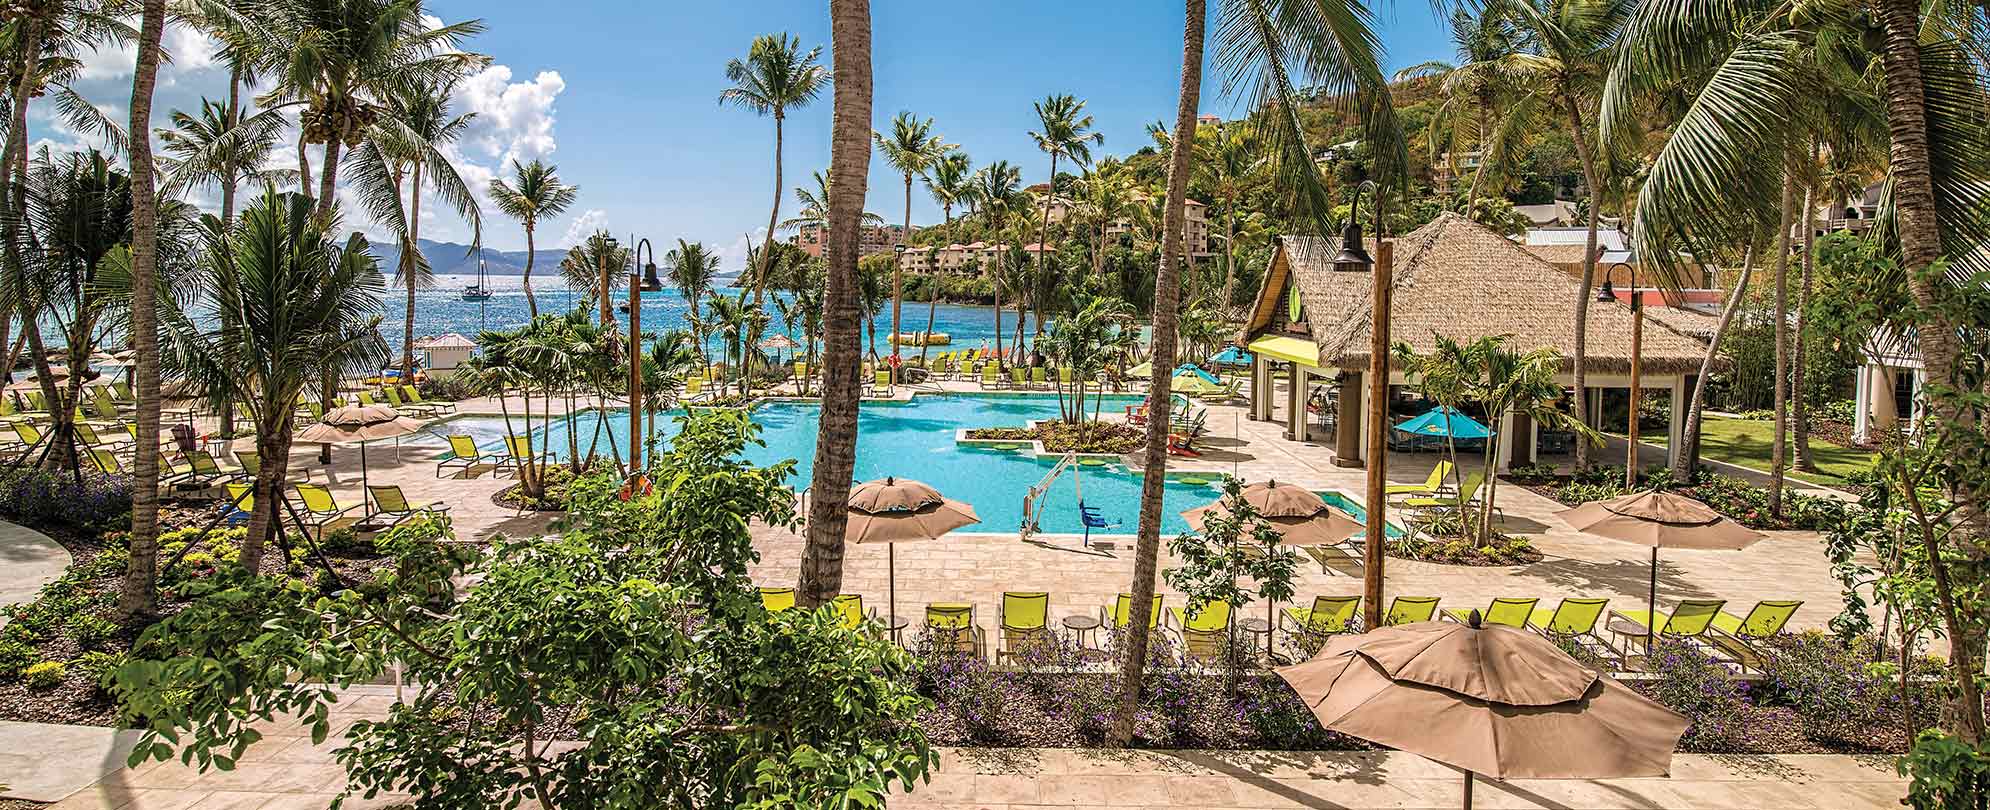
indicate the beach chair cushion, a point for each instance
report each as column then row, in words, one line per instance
column 1213, row 617
column 1508, row 612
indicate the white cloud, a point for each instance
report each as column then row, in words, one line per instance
column 188, row 51
column 514, row 119
column 584, row 225
column 732, row 256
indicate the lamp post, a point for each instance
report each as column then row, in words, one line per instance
column 638, row 285
column 1608, row 293
column 1354, row 258
column 898, row 290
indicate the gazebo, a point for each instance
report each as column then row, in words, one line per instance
column 1457, row 278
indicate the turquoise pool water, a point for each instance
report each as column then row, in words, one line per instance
column 916, row 440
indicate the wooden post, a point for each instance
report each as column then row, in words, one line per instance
column 635, row 368
column 1637, row 343
column 1378, row 424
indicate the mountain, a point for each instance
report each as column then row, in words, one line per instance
column 454, row 259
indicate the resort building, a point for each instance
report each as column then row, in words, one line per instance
column 1855, row 214
column 1887, row 387
column 1195, row 227
column 814, row 238
column 1311, row 325
column 955, row 258
column 1557, row 214
column 441, row 354
column 1452, row 168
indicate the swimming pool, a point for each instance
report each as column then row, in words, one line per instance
column 916, row 439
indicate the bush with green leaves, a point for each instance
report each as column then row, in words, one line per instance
column 44, row 675
column 91, row 630
column 1845, row 697
column 635, row 631
column 97, row 666
column 16, row 654
column 1945, row 773
column 1236, row 545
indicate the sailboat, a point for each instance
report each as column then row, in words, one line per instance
column 477, row 291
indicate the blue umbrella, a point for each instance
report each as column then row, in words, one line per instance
column 1232, row 356
column 1191, row 368
column 1445, row 421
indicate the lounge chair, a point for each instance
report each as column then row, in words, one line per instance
column 1039, row 378
column 991, row 377
column 694, row 389
column 206, row 470
column 180, row 476
column 402, row 404
column 1025, row 620
column 1464, row 497
column 1328, row 615
column 240, row 503
column 1120, row 615
column 1509, row 612
column 1410, row 610
column 366, row 398
column 320, row 509
column 880, row 384
column 121, row 391
column 88, row 433
column 1230, row 391
column 101, row 404
column 252, row 463
column 106, row 461
column 1018, row 378
column 1573, row 618
column 413, row 396
column 464, row 456
column 519, row 448
column 313, row 412
column 850, row 608
column 1689, row 621
column 1205, row 632
column 1430, row 486
column 389, row 500
column 1737, row 636
column 953, row 629
column 777, row 599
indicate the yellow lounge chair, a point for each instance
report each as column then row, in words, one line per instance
column 320, row 509
column 519, row 448
column 1328, row 615
column 991, row 377
column 241, row 501
column 850, row 608
column 1039, row 378
column 1120, row 615
column 1690, row 620
column 389, row 500
column 1018, row 378
column 1430, row 486
column 206, row 470
column 1410, row 610
column 88, row 433
column 777, row 599
column 1509, row 612
column 464, row 456
column 252, row 463
column 402, row 404
column 1737, row 636
column 413, row 396
column 880, row 384
column 953, row 629
column 1025, row 620
column 1206, row 631
column 106, row 461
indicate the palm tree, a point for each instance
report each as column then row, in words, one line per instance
column 997, row 189
column 139, row 595
column 305, row 301
column 535, row 193
column 672, row 357
column 408, row 144
column 1230, row 167
column 691, row 269
column 1332, row 39
column 1066, row 133
column 774, row 77
column 597, row 259
column 950, row 184
column 341, row 59
column 1474, row 89
column 911, row 149
column 815, row 207
column 737, row 321
column 1571, row 42
column 1107, row 193
column 836, row 441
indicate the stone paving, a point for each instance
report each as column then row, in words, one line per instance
column 30, row 560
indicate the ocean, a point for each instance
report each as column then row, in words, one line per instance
column 441, row 309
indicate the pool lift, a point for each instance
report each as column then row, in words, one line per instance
column 1033, row 502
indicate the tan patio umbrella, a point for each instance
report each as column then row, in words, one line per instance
column 360, row 424
column 1490, row 700
column 1659, row 520
column 897, row 510
column 779, row 343
column 1301, row 516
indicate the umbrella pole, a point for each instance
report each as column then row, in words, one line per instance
column 891, row 574
column 365, row 494
column 1651, row 606
column 1468, row 790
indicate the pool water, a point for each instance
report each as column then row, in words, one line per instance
column 916, row 440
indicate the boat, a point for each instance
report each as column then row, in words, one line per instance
column 921, row 339
column 477, row 291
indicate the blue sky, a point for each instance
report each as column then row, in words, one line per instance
column 623, row 97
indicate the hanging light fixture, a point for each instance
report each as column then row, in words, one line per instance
column 1353, row 256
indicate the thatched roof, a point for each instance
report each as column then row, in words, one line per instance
column 1459, row 279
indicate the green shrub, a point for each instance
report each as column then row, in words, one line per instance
column 344, row 538
column 1841, row 694
column 45, row 675
column 1692, row 684
column 97, row 666
column 15, row 656
column 91, row 630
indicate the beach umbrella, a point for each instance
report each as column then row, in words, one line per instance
column 1194, row 383
column 1231, row 356
column 1186, row 369
column 1490, row 700
column 1300, row 515
column 1143, row 370
column 359, row 424
column 1445, row 421
column 897, row 510
column 1659, row 520
column 779, row 343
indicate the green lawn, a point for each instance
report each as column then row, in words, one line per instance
column 1746, row 442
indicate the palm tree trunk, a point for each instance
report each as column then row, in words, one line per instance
column 1779, row 441
column 16, row 155
column 1133, row 668
column 1472, row 191
column 273, row 444
column 1043, row 228
column 933, row 296
column 1909, row 162
column 1580, row 362
column 836, row 441
column 232, row 118
column 328, row 176
column 773, row 217
column 411, row 267
column 996, row 285
column 303, row 166
column 1799, row 414
column 898, row 277
column 1229, row 254
column 532, row 252
column 139, row 594
column 1689, row 440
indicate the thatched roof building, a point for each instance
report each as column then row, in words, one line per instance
column 1453, row 277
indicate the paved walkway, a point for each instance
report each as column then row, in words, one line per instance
column 28, row 560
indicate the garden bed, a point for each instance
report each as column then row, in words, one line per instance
column 1099, row 438
column 1739, row 500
